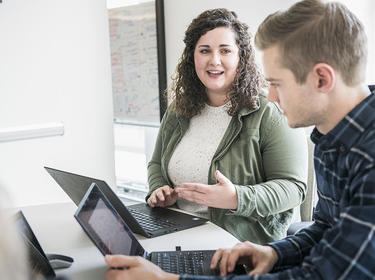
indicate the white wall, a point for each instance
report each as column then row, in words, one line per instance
column 364, row 10
column 55, row 67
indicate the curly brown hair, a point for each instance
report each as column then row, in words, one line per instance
column 188, row 92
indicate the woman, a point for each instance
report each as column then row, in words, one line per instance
column 222, row 150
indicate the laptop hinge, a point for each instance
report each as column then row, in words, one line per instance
column 147, row 256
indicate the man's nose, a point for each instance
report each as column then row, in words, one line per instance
column 272, row 94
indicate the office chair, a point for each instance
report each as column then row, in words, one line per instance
column 307, row 207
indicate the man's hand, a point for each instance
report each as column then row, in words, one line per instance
column 222, row 195
column 163, row 197
column 135, row 268
column 260, row 259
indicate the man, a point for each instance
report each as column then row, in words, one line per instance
column 314, row 57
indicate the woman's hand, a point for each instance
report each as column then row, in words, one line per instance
column 135, row 268
column 260, row 259
column 162, row 197
column 222, row 195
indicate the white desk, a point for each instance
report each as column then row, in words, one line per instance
column 58, row 232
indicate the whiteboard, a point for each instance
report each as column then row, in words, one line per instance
column 134, row 60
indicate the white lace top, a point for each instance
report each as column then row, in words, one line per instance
column 192, row 157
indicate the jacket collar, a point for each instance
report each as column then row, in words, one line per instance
column 246, row 111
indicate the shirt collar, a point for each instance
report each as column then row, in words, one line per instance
column 346, row 133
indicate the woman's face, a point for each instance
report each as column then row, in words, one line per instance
column 216, row 58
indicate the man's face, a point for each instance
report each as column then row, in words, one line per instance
column 297, row 101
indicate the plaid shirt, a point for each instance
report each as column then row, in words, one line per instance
column 341, row 242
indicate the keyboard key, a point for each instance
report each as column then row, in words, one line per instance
column 189, row 262
column 150, row 223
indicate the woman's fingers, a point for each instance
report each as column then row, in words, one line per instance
column 161, row 197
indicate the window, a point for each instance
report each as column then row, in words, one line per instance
column 138, row 80
column 133, row 149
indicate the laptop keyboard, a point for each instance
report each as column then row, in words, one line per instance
column 150, row 223
column 189, row 262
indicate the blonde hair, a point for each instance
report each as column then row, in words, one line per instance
column 13, row 263
column 311, row 32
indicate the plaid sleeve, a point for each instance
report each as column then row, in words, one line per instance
column 346, row 250
column 293, row 249
column 229, row 277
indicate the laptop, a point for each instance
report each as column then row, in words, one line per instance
column 111, row 235
column 37, row 259
column 40, row 262
column 141, row 218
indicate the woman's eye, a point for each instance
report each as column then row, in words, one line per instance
column 225, row 51
column 204, row 51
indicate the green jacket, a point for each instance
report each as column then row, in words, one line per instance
column 265, row 160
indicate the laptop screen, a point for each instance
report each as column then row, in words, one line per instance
column 38, row 261
column 104, row 225
column 75, row 185
column 24, row 229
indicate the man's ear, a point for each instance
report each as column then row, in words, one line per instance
column 324, row 77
